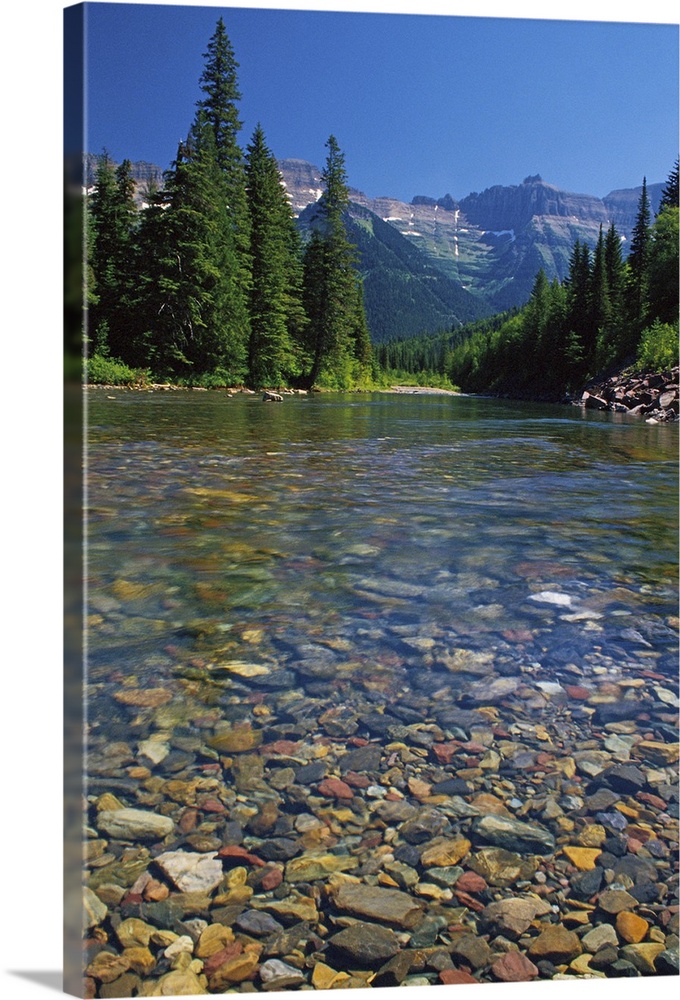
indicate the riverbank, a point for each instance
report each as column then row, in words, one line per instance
column 654, row 395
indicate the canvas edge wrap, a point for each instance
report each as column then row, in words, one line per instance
column 74, row 25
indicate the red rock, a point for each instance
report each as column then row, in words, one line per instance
column 357, row 780
column 652, row 800
column 577, row 692
column 272, row 879
column 213, row 963
column 188, row 820
column 514, row 967
column 444, row 752
column 517, row 635
column 335, row 788
column 471, row 882
column 633, row 845
column 233, row 855
column 357, row 741
column 212, row 806
column 393, row 797
column 465, row 899
column 451, row 977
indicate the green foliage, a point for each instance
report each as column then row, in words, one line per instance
column 658, row 350
column 277, row 317
column 99, row 370
column 336, row 336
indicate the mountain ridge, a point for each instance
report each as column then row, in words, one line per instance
column 432, row 264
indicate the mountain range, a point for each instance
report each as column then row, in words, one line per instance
column 462, row 260
column 434, row 263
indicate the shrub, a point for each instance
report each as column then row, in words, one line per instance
column 658, row 349
column 100, row 370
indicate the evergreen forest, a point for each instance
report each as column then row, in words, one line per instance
column 212, row 282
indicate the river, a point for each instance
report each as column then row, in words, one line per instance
column 350, row 634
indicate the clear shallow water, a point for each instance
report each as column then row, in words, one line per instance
column 220, row 524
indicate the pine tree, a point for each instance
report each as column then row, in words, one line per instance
column 202, row 320
column 670, row 196
column 579, row 341
column 112, row 215
column 218, row 108
column 276, row 313
column 638, row 270
column 600, row 304
column 331, row 281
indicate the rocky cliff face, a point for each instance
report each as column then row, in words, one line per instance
column 514, row 207
column 494, row 242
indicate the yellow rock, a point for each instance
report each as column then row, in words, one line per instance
column 448, row 852
column 213, row 939
column 108, row 802
column 133, row 932
column 235, row 897
column 593, row 835
column 236, row 970
column 323, row 976
column 128, row 590
column 107, row 967
column 583, row 858
column 566, row 766
column 657, row 753
column 140, row 960
column 578, row 917
column 581, row 966
column 625, row 810
column 144, row 697
column 631, row 927
column 385, row 879
column 240, row 739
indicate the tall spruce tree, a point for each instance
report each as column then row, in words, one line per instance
column 670, row 196
column 218, row 109
column 600, row 303
column 276, row 313
column 331, row 281
column 638, row 270
column 202, row 320
column 112, row 214
column 579, row 344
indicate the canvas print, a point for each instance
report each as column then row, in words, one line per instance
column 372, row 489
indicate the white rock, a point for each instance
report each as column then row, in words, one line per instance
column 190, row 871
column 94, row 911
column 552, row 597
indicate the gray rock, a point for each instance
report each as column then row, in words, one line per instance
column 362, row 759
column 390, row 906
column 134, row 824
column 513, row 835
column 274, row 972
column 511, row 916
column 257, row 923
column 367, row 945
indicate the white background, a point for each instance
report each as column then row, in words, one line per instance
column 30, row 489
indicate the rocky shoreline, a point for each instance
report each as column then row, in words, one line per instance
column 652, row 395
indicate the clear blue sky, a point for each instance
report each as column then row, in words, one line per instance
column 420, row 104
